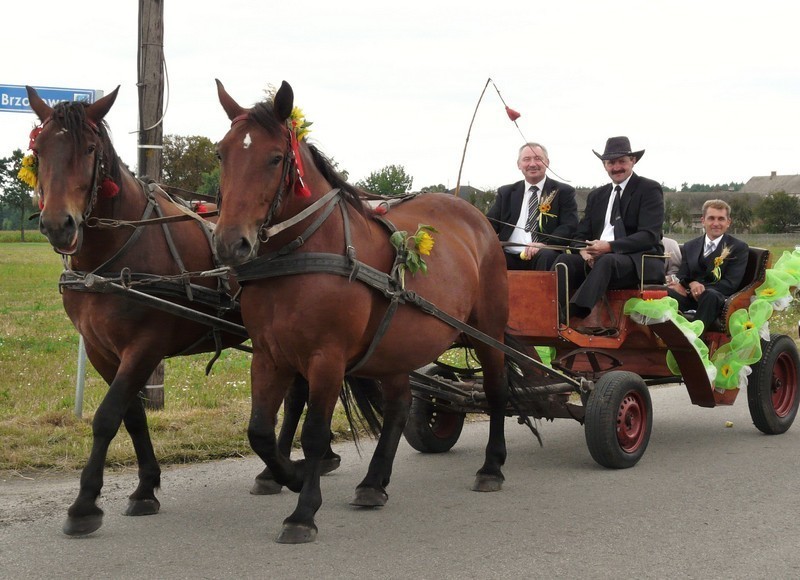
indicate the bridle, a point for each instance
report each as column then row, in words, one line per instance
column 97, row 171
column 289, row 163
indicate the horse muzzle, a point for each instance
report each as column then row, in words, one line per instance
column 232, row 248
column 63, row 231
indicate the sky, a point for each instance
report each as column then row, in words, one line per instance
column 709, row 89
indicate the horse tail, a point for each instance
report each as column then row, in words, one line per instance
column 362, row 402
column 522, row 376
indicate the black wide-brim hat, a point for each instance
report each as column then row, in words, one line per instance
column 617, row 147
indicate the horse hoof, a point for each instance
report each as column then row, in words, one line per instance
column 142, row 507
column 369, row 497
column 265, row 487
column 82, row 526
column 487, row 483
column 331, row 463
column 297, row 534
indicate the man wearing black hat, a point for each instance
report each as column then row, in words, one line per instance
column 623, row 221
column 528, row 212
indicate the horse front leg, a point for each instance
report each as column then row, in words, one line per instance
column 371, row 492
column 84, row 516
column 490, row 476
column 325, row 383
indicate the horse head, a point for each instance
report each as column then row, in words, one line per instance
column 257, row 166
column 73, row 151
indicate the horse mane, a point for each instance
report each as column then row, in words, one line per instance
column 71, row 115
column 263, row 114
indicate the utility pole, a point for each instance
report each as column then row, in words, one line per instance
column 151, row 88
column 151, row 131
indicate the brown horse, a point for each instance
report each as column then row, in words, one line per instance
column 318, row 322
column 81, row 181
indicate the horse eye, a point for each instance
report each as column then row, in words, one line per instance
column 91, row 148
column 276, row 160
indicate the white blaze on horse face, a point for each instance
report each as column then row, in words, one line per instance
column 247, row 141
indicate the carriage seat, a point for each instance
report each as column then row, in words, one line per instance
column 754, row 274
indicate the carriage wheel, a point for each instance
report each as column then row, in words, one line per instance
column 619, row 419
column 430, row 429
column 772, row 386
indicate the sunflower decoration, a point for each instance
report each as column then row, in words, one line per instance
column 412, row 248
column 718, row 261
column 545, row 205
column 300, row 124
column 29, row 172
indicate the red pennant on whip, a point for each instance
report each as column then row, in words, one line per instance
column 512, row 114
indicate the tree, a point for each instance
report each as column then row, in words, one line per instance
column 187, row 159
column 391, row 180
column 14, row 192
column 210, row 184
column 675, row 212
column 483, row 200
column 779, row 211
column 440, row 188
column 742, row 214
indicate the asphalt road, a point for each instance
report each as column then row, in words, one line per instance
column 706, row 501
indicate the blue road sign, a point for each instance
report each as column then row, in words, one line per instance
column 14, row 98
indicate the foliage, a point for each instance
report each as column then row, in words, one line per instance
column 483, row 200
column 15, row 193
column 210, row 183
column 742, row 214
column 675, row 212
column 439, row 188
column 732, row 186
column 779, row 211
column 187, row 159
column 391, row 180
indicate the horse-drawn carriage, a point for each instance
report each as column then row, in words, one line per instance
column 610, row 370
column 327, row 299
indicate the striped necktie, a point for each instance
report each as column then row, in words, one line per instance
column 709, row 249
column 533, row 213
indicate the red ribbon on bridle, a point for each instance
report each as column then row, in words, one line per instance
column 300, row 188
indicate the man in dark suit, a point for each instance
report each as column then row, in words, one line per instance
column 527, row 212
column 712, row 266
column 622, row 223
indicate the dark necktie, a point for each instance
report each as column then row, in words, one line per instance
column 533, row 214
column 616, row 217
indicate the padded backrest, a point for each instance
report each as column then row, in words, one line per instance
column 756, row 266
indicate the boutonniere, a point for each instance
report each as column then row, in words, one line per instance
column 545, row 205
column 717, row 272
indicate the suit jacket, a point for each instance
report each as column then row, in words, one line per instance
column 694, row 268
column 642, row 212
column 508, row 205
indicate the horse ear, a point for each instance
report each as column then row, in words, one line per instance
column 231, row 107
column 99, row 109
column 42, row 109
column 284, row 102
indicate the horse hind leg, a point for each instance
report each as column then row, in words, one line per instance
column 293, row 406
column 371, row 492
column 142, row 502
column 490, row 476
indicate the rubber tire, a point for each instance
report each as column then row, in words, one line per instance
column 618, row 420
column 429, row 429
column 772, row 387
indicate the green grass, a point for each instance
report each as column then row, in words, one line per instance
column 204, row 417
